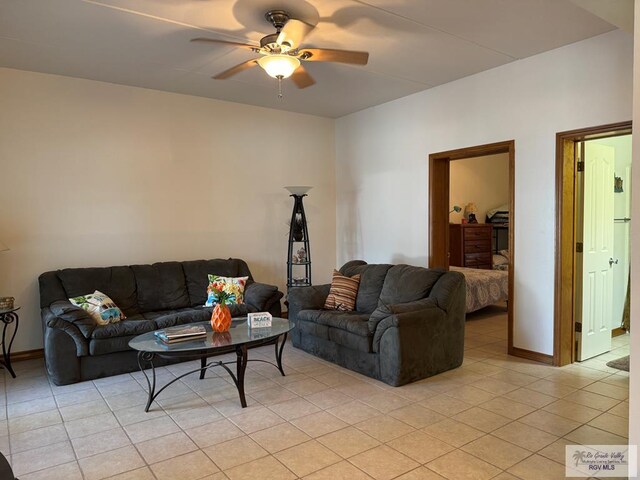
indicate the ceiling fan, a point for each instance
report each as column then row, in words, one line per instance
column 281, row 52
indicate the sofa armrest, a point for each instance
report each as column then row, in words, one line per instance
column 447, row 289
column 261, row 296
column 53, row 321
column 307, row 298
column 420, row 343
column 68, row 312
column 404, row 315
column 384, row 311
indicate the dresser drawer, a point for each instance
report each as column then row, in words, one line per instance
column 477, row 246
column 477, row 259
column 477, row 233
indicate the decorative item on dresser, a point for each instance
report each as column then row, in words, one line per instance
column 470, row 245
column 470, row 212
column 299, row 257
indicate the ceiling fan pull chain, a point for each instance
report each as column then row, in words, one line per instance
column 280, row 96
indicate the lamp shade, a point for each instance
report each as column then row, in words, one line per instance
column 298, row 190
column 3, row 247
column 279, row 66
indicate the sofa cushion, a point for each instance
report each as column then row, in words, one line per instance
column 163, row 313
column 371, row 281
column 312, row 328
column 117, row 282
column 406, row 283
column 197, row 275
column 168, row 318
column 103, row 346
column 354, row 326
column 350, row 340
column 135, row 325
column 260, row 296
column 161, row 286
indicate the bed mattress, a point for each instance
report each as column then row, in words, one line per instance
column 484, row 287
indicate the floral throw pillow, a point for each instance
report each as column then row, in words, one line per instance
column 100, row 307
column 234, row 286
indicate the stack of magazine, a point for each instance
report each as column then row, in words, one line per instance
column 181, row 333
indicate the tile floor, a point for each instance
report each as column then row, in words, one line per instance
column 495, row 417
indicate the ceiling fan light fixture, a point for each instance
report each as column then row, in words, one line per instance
column 279, row 66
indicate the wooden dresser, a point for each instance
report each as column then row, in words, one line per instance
column 470, row 245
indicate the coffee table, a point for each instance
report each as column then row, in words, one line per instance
column 240, row 338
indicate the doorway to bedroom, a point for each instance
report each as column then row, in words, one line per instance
column 471, row 200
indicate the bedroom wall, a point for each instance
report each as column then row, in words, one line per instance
column 382, row 157
column 481, row 180
column 96, row 174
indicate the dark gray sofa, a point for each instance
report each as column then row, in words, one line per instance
column 408, row 324
column 151, row 296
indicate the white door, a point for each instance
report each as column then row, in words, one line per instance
column 597, row 271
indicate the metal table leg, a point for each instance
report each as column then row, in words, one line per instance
column 241, row 366
column 8, row 318
column 279, row 352
column 151, row 384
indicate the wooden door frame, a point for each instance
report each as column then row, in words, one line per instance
column 439, row 168
column 565, row 259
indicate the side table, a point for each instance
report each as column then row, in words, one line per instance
column 8, row 316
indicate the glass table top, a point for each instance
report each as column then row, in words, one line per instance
column 238, row 334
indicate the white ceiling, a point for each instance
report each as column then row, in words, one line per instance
column 413, row 44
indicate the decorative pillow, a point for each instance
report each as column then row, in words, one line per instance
column 343, row 292
column 101, row 308
column 234, row 286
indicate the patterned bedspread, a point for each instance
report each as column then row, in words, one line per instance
column 484, row 287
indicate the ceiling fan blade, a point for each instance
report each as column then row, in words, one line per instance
column 301, row 78
column 294, row 32
column 224, row 42
column 237, row 69
column 330, row 55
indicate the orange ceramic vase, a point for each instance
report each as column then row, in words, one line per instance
column 221, row 318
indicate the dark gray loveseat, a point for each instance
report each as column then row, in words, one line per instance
column 408, row 324
column 151, row 296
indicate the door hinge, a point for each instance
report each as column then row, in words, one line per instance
column 580, row 166
column 578, row 327
column 579, row 247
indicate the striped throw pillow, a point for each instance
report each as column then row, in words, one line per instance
column 343, row 292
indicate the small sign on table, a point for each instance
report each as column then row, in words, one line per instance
column 259, row 319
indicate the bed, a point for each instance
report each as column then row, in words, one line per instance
column 484, row 287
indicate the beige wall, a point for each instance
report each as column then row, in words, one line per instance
column 382, row 156
column 96, row 174
column 481, row 180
